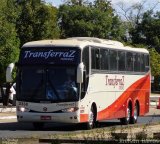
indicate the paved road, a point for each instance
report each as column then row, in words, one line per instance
column 10, row 128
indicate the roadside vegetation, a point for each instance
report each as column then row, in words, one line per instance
column 29, row 20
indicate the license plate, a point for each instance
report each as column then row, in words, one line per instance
column 45, row 117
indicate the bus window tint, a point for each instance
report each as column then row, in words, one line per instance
column 121, row 61
column 104, row 59
column 137, row 62
column 129, row 61
column 32, row 90
column 95, row 58
column 113, row 60
column 142, row 63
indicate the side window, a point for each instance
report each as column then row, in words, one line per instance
column 113, row 60
column 146, row 63
column 121, row 61
column 95, row 58
column 104, row 59
column 142, row 63
column 129, row 61
column 137, row 62
column 85, row 59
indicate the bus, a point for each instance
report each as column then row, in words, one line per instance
column 111, row 81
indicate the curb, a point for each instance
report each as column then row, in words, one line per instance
column 7, row 113
column 12, row 109
column 8, row 117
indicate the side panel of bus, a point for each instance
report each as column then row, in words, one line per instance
column 118, row 79
column 112, row 94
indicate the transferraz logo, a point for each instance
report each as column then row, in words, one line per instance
column 50, row 54
column 115, row 81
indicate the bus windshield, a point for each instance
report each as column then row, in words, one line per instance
column 55, row 84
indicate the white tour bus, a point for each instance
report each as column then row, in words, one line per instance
column 106, row 81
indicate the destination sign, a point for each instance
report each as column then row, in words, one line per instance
column 49, row 56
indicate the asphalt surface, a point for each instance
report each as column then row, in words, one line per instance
column 10, row 128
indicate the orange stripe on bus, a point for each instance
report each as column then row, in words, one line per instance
column 117, row 109
column 83, row 117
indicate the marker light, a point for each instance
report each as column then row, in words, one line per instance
column 22, row 109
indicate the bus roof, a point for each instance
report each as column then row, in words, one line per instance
column 82, row 42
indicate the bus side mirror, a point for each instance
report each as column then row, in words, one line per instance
column 9, row 72
column 80, row 73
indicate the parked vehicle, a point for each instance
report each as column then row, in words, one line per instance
column 12, row 94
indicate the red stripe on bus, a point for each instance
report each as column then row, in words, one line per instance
column 83, row 117
column 118, row 108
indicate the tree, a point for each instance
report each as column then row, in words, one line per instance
column 9, row 43
column 148, row 31
column 150, row 28
column 95, row 19
column 135, row 17
column 155, row 67
column 132, row 14
column 37, row 21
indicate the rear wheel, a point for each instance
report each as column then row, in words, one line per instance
column 38, row 125
column 135, row 114
column 126, row 120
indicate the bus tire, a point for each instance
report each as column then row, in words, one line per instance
column 91, row 119
column 135, row 114
column 126, row 120
column 38, row 125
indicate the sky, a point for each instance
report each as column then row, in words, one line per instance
column 148, row 3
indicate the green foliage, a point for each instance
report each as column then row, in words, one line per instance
column 94, row 20
column 148, row 30
column 29, row 20
column 36, row 21
column 155, row 67
column 9, row 43
column 22, row 21
column 155, row 62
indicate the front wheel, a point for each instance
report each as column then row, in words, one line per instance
column 126, row 120
column 91, row 119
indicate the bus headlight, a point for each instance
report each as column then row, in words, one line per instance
column 22, row 109
column 72, row 109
